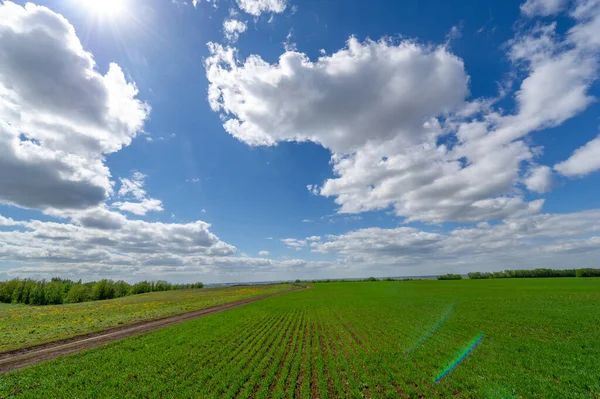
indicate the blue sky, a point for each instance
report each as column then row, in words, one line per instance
column 319, row 139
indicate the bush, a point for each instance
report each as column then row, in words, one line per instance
column 450, row 277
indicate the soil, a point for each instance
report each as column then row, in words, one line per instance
column 24, row 357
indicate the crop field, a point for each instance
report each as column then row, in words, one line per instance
column 519, row 338
column 22, row 326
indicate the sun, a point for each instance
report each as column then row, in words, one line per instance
column 105, row 7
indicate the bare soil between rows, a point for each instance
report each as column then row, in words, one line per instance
column 24, row 357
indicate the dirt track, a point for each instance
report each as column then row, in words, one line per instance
column 20, row 358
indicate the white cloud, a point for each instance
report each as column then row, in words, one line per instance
column 138, row 249
column 584, row 160
column 357, row 95
column 233, row 28
column 543, row 7
column 294, row 243
column 104, row 238
column 539, row 179
column 587, row 11
column 140, row 208
column 396, row 119
column 523, row 239
column 133, row 189
column 263, row 253
column 258, row 7
column 59, row 116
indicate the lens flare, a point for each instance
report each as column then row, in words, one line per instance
column 461, row 356
column 434, row 329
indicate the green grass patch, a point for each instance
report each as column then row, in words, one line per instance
column 22, row 326
column 8, row 306
column 343, row 340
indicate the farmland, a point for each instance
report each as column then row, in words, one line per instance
column 377, row 339
column 22, row 326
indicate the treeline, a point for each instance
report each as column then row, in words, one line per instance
column 450, row 277
column 536, row 273
column 58, row 291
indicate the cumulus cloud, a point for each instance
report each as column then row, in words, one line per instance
column 531, row 237
column 543, row 7
column 258, row 7
column 401, row 128
column 59, row 116
column 584, row 160
column 103, row 238
column 104, row 244
column 233, row 28
column 342, row 101
column 181, row 251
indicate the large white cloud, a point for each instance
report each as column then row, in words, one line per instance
column 398, row 123
column 370, row 91
column 59, row 116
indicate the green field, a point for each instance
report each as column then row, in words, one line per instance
column 541, row 340
column 22, row 326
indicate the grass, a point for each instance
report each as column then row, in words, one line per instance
column 22, row 326
column 8, row 305
column 541, row 340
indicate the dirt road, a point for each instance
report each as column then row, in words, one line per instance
column 20, row 358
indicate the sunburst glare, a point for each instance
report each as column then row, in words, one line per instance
column 106, row 8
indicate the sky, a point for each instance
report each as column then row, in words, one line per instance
column 259, row 140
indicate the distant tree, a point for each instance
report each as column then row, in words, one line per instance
column 450, row 277
column 121, row 289
column 372, row 279
column 588, row 273
column 103, row 289
column 479, row 275
column 38, row 294
column 78, row 293
column 54, row 293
